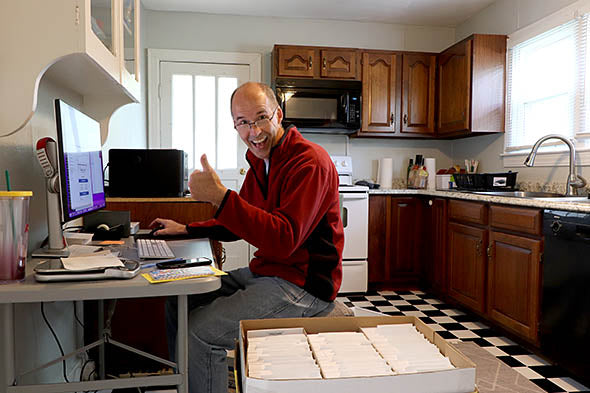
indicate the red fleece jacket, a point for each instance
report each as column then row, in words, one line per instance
column 292, row 215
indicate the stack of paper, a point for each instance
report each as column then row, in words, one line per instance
column 406, row 350
column 280, row 355
column 90, row 261
column 347, row 354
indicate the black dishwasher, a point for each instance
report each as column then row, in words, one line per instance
column 565, row 304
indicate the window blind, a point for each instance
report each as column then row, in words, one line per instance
column 546, row 81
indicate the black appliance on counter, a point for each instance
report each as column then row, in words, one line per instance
column 147, row 173
column 321, row 106
column 565, row 305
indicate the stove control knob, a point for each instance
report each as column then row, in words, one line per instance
column 344, row 164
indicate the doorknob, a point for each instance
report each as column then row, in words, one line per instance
column 242, row 171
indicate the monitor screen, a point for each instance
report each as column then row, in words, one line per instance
column 80, row 161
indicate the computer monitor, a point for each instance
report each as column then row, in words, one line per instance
column 80, row 162
column 73, row 172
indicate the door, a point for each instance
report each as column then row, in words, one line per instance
column 405, row 225
column 514, row 282
column 196, row 117
column 379, row 230
column 379, row 93
column 435, row 244
column 466, row 259
column 418, row 75
column 341, row 64
column 454, row 88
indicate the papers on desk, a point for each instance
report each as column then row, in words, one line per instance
column 95, row 260
column 165, row 275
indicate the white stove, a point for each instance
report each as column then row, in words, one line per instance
column 354, row 210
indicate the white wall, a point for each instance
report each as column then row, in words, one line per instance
column 506, row 17
column 33, row 339
column 193, row 31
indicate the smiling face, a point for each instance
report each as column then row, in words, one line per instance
column 257, row 119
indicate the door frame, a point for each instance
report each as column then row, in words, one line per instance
column 156, row 56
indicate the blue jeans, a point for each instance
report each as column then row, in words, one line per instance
column 213, row 322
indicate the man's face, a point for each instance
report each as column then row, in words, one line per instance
column 257, row 122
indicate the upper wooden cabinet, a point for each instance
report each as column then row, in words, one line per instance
column 471, row 86
column 92, row 49
column 379, row 93
column 418, row 81
column 291, row 61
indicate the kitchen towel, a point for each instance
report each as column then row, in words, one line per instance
column 430, row 164
column 385, row 172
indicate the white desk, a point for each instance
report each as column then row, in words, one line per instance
column 31, row 291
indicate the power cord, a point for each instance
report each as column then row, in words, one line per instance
column 56, row 340
column 76, row 316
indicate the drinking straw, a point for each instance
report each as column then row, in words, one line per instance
column 11, row 206
column 7, row 180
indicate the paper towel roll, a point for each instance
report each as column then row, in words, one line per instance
column 385, row 172
column 430, row 164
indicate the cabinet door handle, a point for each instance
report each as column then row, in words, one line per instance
column 391, row 118
column 324, row 63
column 406, row 118
column 490, row 252
column 310, row 63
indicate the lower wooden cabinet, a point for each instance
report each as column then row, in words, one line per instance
column 394, row 239
column 434, row 250
column 514, row 282
column 467, row 265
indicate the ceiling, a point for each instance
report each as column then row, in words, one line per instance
column 447, row 13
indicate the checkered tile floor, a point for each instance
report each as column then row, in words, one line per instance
column 454, row 324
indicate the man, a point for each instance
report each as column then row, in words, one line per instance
column 288, row 208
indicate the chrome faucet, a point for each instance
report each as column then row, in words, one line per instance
column 574, row 181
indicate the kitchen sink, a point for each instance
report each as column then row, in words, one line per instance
column 522, row 194
column 578, row 199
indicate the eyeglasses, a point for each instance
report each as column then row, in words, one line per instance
column 262, row 122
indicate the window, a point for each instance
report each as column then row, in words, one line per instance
column 548, row 84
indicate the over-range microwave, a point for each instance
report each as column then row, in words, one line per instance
column 323, row 106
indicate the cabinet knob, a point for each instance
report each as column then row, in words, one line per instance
column 489, row 250
column 242, row 171
column 430, row 202
column 391, row 119
column 406, row 118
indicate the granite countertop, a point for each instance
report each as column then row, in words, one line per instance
column 527, row 202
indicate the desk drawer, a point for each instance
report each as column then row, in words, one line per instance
column 516, row 219
column 464, row 211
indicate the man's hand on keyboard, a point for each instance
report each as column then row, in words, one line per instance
column 170, row 227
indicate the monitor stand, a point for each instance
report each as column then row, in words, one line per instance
column 56, row 246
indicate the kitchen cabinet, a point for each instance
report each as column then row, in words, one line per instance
column 315, row 62
column 434, row 250
column 514, row 283
column 379, row 93
column 394, row 240
column 417, row 97
column 494, row 258
column 91, row 49
column 467, row 264
column 471, row 86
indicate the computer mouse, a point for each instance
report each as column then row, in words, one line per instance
column 153, row 231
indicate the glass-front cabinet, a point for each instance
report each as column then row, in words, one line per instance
column 93, row 51
column 116, row 25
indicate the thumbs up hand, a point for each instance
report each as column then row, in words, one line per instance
column 205, row 185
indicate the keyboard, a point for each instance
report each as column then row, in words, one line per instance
column 153, row 249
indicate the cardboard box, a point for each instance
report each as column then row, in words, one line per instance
column 458, row 380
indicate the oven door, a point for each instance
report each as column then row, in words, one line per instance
column 355, row 219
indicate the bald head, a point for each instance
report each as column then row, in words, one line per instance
column 251, row 90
